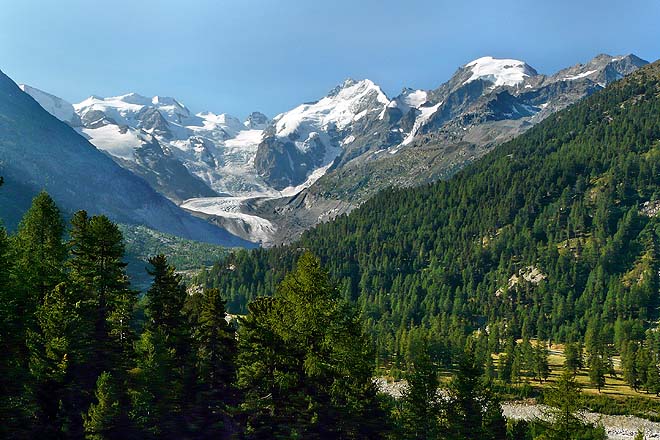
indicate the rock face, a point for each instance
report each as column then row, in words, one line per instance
column 39, row 152
column 312, row 135
column 326, row 157
column 256, row 121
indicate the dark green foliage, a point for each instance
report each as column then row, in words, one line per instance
column 216, row 349
column 540, row 361
column 156, row 397
column 37, row 255
column 98, row 270
column 13, row 362
column 304, row 363
column 421, row 409
column 165, row 370
column 104, row 418
column 573, row 357
column 39, row 251
column 102, row 292
column 166, row 296
column 563, row 420
column 53, row 353
column 473, row 411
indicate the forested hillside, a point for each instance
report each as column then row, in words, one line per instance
column 552, row 235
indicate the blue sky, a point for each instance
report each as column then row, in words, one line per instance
column 244, row 55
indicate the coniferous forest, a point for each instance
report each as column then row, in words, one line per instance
column 552, row 237
column 84, row 357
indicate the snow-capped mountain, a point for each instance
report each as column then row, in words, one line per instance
column 38, row 151
column 269, row 180
column 57, row 107
column 499, row 72
column 311, row 136
column 424, row 135
column 256, row 121
column 216, row 149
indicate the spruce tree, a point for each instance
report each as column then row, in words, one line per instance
column 165, row 373
column 541, row 367
column 39, row 252
column 102, row 291
column 421, row 404
column 14, row 406
column 104, row 418
column 573, row 357
column 156, row 406
column 473, row 410
column 307, row 343
column 563, row 419
column 215, row 344
column 53, row 353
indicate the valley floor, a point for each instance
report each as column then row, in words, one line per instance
column 618, row 427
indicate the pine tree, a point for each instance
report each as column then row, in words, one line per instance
column 630, row 368
column 597, row 371
column 166, row 297
column 156, row 407
column 164, row 356
column 473, row 410
column 421, row 405
column 53, row 352
column 102, row 291
column 562, row 419
column 39, row 252
column 304, row 353
column 104, row 418
column 14, row 405
column 541, row 367
column 99, row 272
column 573, row 357
column 216, row 366
column 268, row 375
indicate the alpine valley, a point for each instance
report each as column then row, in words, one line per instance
column 267, row 180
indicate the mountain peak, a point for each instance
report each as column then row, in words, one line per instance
column 256, row 121
column 350, row 85
column 132, row 98
column 500, row 72
column 166, row 100
column 54, row 105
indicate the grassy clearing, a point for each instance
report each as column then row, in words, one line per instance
column 615, row 398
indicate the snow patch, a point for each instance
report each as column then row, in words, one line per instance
column 422, row 118
column 408, row 99
column 110, row 138
column 313, row 177
column 581, row 75
column 500, row 72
